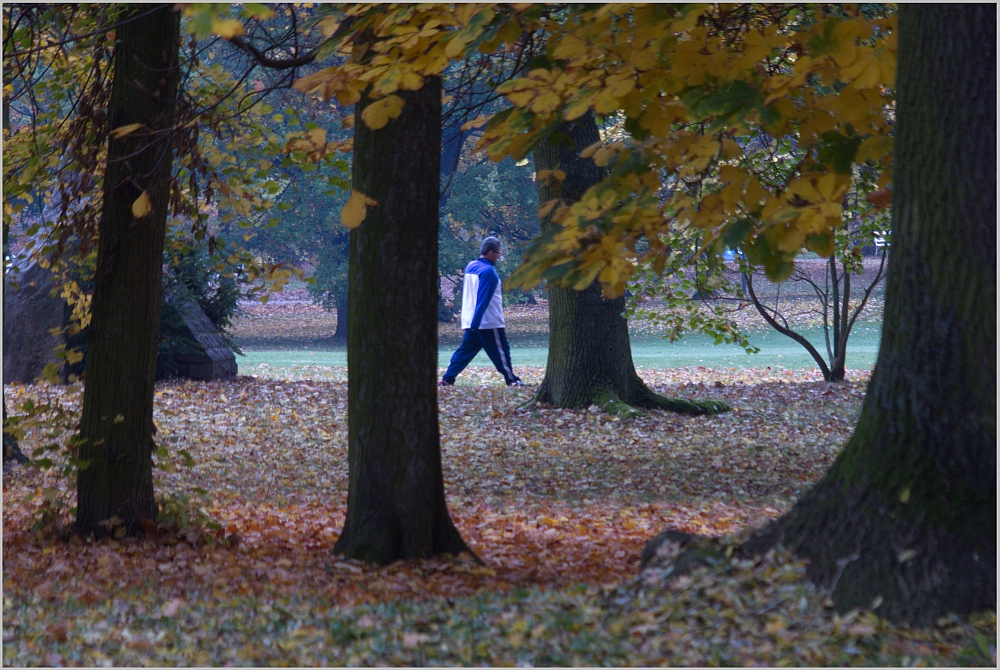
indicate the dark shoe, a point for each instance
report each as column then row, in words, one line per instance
column 445, row 383
column 516, row 382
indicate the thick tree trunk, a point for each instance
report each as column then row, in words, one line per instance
column 590, row 357
column 395, row 504
column 116, row 427
column 907, row 514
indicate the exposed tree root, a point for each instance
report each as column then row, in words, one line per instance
column 641, row 398
column 864, row 550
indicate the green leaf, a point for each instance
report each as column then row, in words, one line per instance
column 757, row 251
column 50, row 372
column 186, row 456
column 723, row 103
column 735, row 234
column 637, row 131
column 839, row 151
column 821, row 243
column 777, row 268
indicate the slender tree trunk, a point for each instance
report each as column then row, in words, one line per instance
column 395, row 504
column 907, row 514
column 340, row 335
column 788, row 332
column 590, row 357
column 116, row 427
column 842, row 327
column 11, row 449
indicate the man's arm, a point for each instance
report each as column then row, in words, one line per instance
column 487, row 285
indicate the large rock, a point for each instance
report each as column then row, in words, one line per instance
column 208, row 357
column 29, row 317
column 30, row 314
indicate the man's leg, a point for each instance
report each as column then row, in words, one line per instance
column 496, row 346
column 505, row 348
column 466, row 351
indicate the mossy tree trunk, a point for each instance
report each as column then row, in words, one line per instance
column 907, row 514
column 590, row 357
column 116, row 490
column 395, row 504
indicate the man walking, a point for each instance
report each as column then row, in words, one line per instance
column 482, row 317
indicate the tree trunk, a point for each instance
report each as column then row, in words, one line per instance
column 590, row 357
column 340, row 335
column 395, row 503
column 11, row 449
column 116, row 489
column 787, row 332
column 907, row 514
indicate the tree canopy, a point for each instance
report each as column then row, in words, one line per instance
column 690, row 82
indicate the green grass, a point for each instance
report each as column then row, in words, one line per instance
column 776, row 350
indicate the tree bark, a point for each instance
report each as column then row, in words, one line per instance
column 116, row 428
column 395, row 504
column 907, row 513
column 590, row 356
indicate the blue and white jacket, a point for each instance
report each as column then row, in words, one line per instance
column 482, row 304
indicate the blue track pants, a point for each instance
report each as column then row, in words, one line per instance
column 494, row 341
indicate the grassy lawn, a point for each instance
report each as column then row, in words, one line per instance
column 776, row 351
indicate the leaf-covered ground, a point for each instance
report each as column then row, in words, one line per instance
column 557, row 504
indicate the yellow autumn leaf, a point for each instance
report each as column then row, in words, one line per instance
column 880, row 72
column 545, row 103
column 546, row 175
column 660, row 116
column 792, row 240
column 546, row 208
column 388, row 81
column 642, row 58
column 477, row 122
column 227, row 28
column 410, row 81
column 847, row 34
column 832, row 187
column 122, row 131
column 142, row 206
column 754, row 194
column 730, row 174
column 317, row 136
column 356, row 209
column 590, row 150
column 604, row 154
column 731, row 194
column 329, row 26
column 377, row 114
column 347, row 96
column 568, row 47
column 874, row 148
column 731, row 149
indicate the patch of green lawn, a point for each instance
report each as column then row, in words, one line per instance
column 776, row 351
